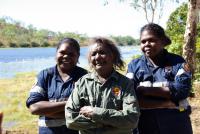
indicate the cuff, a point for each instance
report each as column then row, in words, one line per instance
column 98, row 114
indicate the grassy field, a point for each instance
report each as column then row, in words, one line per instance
column 13, row 95
column 18, row 120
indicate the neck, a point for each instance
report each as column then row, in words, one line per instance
column 64, row 74
column 157, row 60
column 103, row 76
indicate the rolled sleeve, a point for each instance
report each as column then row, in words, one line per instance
column 35, row 96
column 74, row 120
column 38, row 92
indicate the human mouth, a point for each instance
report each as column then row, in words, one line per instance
column 65, row 61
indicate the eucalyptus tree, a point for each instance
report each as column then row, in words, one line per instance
column 189, row 47
column 150, row 7
column 176, row 26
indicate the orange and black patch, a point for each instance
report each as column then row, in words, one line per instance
column 116, row 91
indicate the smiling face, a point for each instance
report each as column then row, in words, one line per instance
column 150, row 44
column 101, row 58
column 66, row 57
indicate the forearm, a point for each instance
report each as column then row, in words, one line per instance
column 146, row 102
column 114, row 118
column 57, row 115
column 47, row 108
column 77, row 121
column 160, row 92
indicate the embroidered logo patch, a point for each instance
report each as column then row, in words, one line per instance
column 116, row 91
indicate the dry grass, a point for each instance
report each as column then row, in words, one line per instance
column 18, row 120
column 195, row 103
column 13, row 95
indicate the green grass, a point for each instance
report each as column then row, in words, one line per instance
column 13, row 95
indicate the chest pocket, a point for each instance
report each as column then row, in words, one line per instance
column 51, row 93
column 144, row 75
column 169, row 73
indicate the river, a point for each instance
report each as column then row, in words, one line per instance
column 16, row 60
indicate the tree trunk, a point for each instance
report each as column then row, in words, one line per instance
column 189, row 47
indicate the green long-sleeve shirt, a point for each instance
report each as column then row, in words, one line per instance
column 116, row 109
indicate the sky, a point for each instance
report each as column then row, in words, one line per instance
column 89, row 17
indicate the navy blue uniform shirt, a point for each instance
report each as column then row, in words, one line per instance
column 174, row 73
column 50, row 87
column 171, row 71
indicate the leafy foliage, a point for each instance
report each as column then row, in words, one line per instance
column 14, row 34
column 126, row 40
column 176, row 29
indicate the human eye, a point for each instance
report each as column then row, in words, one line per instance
column 152, row 40
column 93, row 53
column 102, row 53
column 143, row 41
column 61, row 52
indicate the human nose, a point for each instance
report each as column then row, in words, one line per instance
column 97, row 56
column 65, row 56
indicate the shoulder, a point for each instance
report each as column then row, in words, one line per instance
column 47, row 72
column 78, row 72
column 84, row 78
column 81, row 70
column 174, row 58
column 123, row 80
column 45, row 76
column 136, row 63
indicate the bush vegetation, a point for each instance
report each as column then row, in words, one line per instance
column 15, row 34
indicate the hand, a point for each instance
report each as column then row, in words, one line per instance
column 87, row 111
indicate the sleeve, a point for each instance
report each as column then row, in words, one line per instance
column 126, row 118
column 38, row 92
column 181, row 85
column 130, row 72
column 74, row 120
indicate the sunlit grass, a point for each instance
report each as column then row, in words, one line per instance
column 13, row 95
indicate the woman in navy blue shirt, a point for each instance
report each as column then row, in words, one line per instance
column 53, row 87
column 163, row 82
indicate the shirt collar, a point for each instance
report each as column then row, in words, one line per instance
column 94, row 76
column 72, row 75
column 163, row 63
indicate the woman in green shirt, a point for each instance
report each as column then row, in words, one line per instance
column 104, row 101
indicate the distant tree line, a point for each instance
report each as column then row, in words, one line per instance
column 14, row 34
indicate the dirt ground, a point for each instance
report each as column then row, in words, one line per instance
column 195, row 104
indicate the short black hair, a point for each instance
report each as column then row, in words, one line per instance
column 71, row 42
column 157, row 30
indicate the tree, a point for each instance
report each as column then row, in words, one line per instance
column 191, row 24
column 176, row 24
column 153, row 9
column 189, row 48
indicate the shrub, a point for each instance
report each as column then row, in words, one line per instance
column 12, row 44
column 34, row 44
